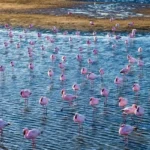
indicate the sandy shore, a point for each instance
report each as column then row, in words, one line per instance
column 20, row 14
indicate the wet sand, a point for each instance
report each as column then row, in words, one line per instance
column 46, row 16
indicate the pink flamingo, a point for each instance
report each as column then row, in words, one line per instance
column 131, row 59
column 104, row 92
column 125, row 130
column 91, row 76
column 88, row 42
column 2, row 69
column 65, row 32
column 50, row 73
column 75, row 88
column 130, row 109
column 139, row 111
column 91, row 23
column 25, row 93
column 126, row 70
column 140, row 63
column 39, row 35
column 84, row 70
column 67, row 97
column 63, row 58
column 90, row 62
column 3, row 124
column 44, row 102
column 79, row 118
column 118, row 81
column 18, row 45
column 117, row 37
column 94, row 101
column 114, row 46
column 30, row 50
column 126, row 42
column 56, row 50
column 140, row 49
column 31, row 134
column 95, row 52
column 117, row 25
column 6, row 44
column 54, row 29
column 136, row 87
column 94, row 33
column 31, row 66
column 53, row 58
column 111, row 19
column 61, row 66
column 95, row 39
column 79, row 58
column 101, row 71
column 80, row 49
column 12, row 64
column 32, row 43
column 113, row 29
column 62, row 77
column 122, row 102
column 30, row 26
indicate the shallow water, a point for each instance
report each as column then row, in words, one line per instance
column 107, row 9
column 100, row 130
column 116, row 9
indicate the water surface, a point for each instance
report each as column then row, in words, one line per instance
column 100, row 130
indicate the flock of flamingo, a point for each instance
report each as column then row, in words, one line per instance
column 86, row 72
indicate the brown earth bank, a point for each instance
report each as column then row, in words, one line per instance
column 12, row 12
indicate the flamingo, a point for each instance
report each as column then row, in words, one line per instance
column 44, row 102
column 25, row 93
column 31, row 134
column 53, row 58
column 136, row 87
column 125, row 70
column 91, row 76
column 140, row 49
column 131, row 59
column 61, row 66
column 2, row 68
column 104, row 92
column 76, row 87
column 84, row 71
column 139, row 111
column 122, row 101
column 79, row 58
column 31, row 66
column 3, row 124
column 118, row 81
column 94, row 101
column 62, row 77
column 125, row 130
column 67, row 97
column 63, row 58
column 101, row 71
column 79, row 118
column 129, row 111
column 50, row 73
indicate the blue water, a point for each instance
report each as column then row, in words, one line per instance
column 120, row 1
column 100, row 129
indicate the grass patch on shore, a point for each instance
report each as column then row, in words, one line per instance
column 72, row 22
column 32, row 4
